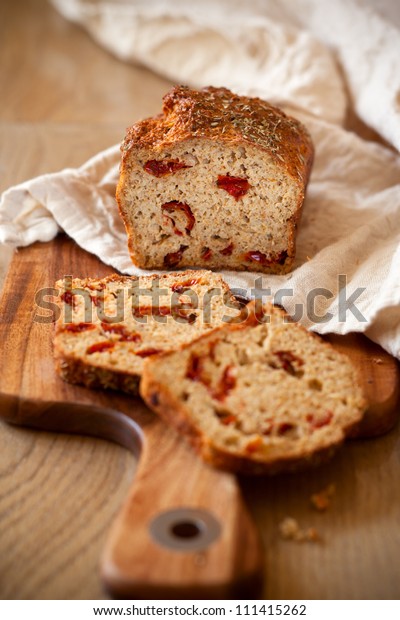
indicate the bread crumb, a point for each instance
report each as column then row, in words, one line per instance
column 290, row 530
column 377, row 360
column 322, row 500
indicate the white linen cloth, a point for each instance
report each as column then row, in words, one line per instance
column 317, row 59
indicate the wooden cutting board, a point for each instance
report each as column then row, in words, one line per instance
column 184, row 531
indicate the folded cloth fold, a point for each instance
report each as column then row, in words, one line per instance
column 346, row 271
column 309, row 54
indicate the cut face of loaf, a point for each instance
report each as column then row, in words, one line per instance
column 217, row 181
column 257, row 397
column 109, row 326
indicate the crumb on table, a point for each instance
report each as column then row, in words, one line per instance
column 322, row 500
column 290, row 530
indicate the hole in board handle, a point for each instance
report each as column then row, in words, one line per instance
column 186, row 529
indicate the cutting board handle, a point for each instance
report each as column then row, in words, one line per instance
column 139, row 560
column 183, row 532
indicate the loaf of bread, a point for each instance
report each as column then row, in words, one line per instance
column 259, row 396
column 215, row 181
column 108, row 327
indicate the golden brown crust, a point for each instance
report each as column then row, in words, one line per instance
column 218, row 114
column 73, row 370
column 173, row 411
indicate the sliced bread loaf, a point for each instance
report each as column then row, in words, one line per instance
column 215, row 181
column 107, row 327
column 257, row 397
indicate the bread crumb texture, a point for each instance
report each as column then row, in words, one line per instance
column 108, row 327
column 215, row 181
column 257, row 397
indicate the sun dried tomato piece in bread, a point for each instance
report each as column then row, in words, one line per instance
column 260, row 396
column 109, row 326
column 217, row 181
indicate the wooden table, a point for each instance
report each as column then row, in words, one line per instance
column 63, row 99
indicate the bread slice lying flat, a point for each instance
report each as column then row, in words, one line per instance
column 257, row 397
column 107, row 327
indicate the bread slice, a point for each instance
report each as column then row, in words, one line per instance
column 215, row 181
column 108, row 327
column 260, row 396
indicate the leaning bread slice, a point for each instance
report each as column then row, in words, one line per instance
column 108, row 327
column 257, row 397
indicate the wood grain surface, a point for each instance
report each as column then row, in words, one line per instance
column 63, row 99
column 169, row 478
